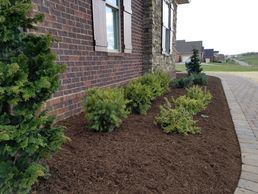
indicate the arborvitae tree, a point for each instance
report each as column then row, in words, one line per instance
column 194, row 66
column 28, row 77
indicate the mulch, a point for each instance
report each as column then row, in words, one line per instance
column 139, row 158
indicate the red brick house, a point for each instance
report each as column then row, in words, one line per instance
column 107, row 43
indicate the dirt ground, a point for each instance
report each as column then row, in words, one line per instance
column 139, row 158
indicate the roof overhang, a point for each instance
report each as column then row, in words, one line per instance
column 183, row 1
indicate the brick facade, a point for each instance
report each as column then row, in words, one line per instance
column 71, row 23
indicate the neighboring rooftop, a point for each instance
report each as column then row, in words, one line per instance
column 187, row 47
column 208, row 53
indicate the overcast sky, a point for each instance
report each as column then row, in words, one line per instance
column 229, row 26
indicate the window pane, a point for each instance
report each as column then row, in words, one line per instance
column 112, row 2
column 166, row 15
column 167, row 40
column 112, row 28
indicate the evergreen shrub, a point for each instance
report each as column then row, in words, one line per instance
column 28, row 77
column 105, row 108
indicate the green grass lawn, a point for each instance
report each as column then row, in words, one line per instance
column 250, row 59
column 220, row 67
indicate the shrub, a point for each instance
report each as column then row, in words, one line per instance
column 164, row 78
column 139, row 97
column 153, row 82
column 105, row 108
column 184, row 82
column 28, row 77
column 200, row 79
column 158, row 82
column 193, row 106
column 194, row 65
column 197, row 93
column 176, row 120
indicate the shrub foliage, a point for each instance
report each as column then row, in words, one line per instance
column 202, row 95
column 105, row 108
column 179, row 117
column 139, row 97
column 176, row 120
column 28, row 77
column 193, row 106
column 142, row 91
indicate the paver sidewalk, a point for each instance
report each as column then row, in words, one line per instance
column 242, row 96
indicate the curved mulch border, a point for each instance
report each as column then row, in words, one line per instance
column 140, row 158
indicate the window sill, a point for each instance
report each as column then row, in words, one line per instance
column 167, row 54
column 115, row 54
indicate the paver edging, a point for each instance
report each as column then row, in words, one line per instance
column 248, row 182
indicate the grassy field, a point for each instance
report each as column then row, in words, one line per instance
column 250, row 59
column 227, row 67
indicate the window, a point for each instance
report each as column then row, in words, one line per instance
column 107, row 28
column 112, row 25
column 167, row 27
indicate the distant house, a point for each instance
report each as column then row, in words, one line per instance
column 107, row 43
column 219, row 57
column 208, row 55
column 185, row 50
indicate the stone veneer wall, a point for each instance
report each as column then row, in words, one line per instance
column 153, row 57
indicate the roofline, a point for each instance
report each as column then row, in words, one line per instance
column 183, row 1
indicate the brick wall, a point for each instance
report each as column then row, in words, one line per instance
column 70, row 22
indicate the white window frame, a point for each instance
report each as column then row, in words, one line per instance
column 118, row 8
column 170, row 28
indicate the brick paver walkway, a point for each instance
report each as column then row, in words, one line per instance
column 242, row 96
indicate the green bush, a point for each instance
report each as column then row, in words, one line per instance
column 193, row 106
column 165, row 80
column 139, row 97
column 194, row 65
column 202, row 95
column 153, row 82
column 158, row 82
column 184, row 82
column 200, row 79
column 28, row 77
column 176, row 120
column 105, row 108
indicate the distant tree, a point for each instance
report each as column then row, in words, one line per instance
column 194, row 65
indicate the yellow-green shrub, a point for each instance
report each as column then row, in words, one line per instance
column 139, row 97
column 177, row 120
column 105, row 108
column 202, row 95
column 193, row 106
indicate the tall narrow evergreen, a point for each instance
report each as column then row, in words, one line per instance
column 194, row 66
column 28, row 77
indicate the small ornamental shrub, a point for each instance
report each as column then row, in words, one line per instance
column 158, row 82
column 165, row 80
column 200, row 79
column 184, row 82
column 28, row 77
column 139, row 97
column 105, row 108
column 177, row 120
column 202, row 95
column 193, row 106
column 194, row 65
column 154, row 83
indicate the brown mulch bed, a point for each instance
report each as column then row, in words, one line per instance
column 139, row 158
